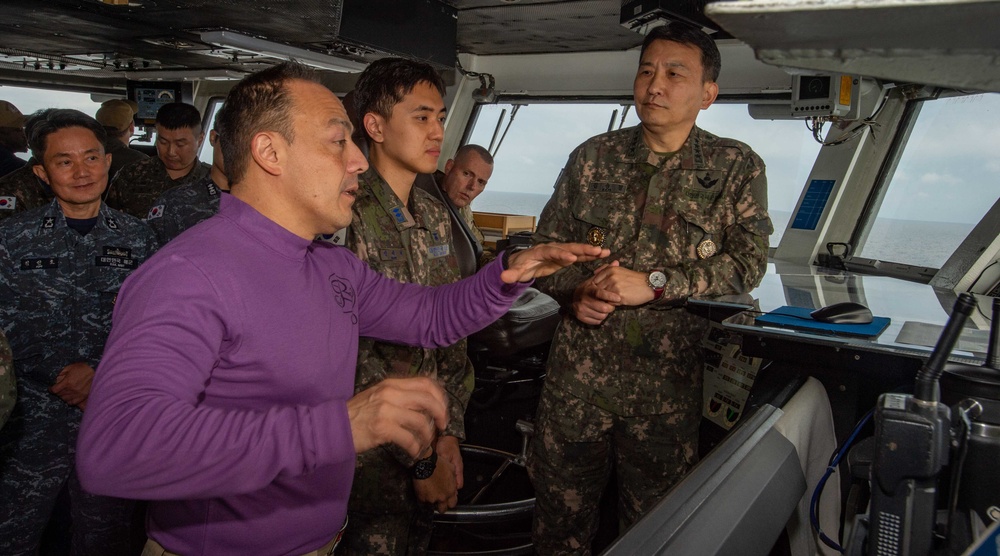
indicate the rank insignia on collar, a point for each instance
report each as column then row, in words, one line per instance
column 397, row 214
column 111, row 223
column 706, row 182
column 706, row 249
column 596, row 236
column 49, row 222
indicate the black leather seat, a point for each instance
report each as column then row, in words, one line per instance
column 531, row 320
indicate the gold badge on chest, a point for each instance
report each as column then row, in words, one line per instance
column 706, row 248
column 596, row 236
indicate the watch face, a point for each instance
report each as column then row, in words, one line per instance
column 657, row 279
column 424, row 468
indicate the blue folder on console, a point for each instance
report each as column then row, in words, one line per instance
column 798, row 318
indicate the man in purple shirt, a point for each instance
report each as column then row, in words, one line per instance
column 225, row 394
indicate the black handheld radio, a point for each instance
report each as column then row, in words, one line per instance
column 911, row 447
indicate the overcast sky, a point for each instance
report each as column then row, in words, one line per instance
column 949, row 172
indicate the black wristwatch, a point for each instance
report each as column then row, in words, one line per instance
column 505, row 258
column 424, row 468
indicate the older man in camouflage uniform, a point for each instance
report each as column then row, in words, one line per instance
column 60, row 269
column 178, row 140
column 8, row 384
column 186, row 205
column 404, row 233
column 684, row 214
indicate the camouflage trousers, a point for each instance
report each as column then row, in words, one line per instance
column 572, row 453
column 37, row 449
column 383, row 515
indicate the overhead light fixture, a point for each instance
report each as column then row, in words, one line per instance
column 185, row 75
column 261, row 47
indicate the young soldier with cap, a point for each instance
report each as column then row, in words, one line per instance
column 12, row 138
column 117, row 117
column 21, row 189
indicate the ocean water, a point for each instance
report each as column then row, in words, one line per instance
column 510, row 203
column 911, row 242
column 903, row 241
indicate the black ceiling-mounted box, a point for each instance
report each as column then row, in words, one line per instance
column 642, row 15
column 425, row 30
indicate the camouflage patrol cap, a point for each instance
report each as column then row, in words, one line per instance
column 116, row 114
column 10, row 116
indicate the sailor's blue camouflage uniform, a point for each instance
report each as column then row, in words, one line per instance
column 629, row 389
column 8, row 385
column 58, row 289
column 136, row 186
column 182, row 207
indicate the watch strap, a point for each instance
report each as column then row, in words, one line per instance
column 657, row 290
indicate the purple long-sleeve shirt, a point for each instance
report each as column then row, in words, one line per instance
column 222, row 392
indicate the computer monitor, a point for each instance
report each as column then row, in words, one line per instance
column 152, row 95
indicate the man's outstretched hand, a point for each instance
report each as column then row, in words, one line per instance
column 405, row 411
column 542, row 260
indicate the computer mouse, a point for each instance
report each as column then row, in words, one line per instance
column 847, row 312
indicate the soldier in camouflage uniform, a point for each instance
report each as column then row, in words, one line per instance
column 8, row 389
column 21, row 190
column 12, row 138
column 186, row 205
column 178, row 140
column 117, row 118
column 60, row 269
column 390, row 508
column 684, row 214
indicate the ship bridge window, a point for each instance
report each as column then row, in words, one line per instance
column 207, row 153
column 29, row 100
column 536, row 145
column 946, row 178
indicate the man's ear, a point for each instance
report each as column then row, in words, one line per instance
column 267, row 149
column 39, row 171
column 449, row 165
column 374, row 125
column 711, row 91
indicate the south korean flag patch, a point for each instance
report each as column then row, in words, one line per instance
column 155, row 212
column 8, row 203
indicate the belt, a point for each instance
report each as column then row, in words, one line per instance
column 153, row 548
